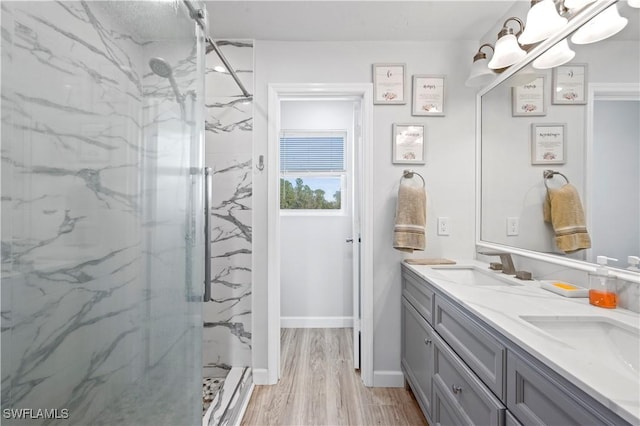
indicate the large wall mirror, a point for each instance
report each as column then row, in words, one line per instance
column 589, row 134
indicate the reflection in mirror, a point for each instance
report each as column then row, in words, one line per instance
column 598, row 150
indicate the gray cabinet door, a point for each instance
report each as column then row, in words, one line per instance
column 474, row 403
column 418, row 292
column 417, row 354
column 479, row 349
column 538, row 400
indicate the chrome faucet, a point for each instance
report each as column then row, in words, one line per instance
column 506, row 260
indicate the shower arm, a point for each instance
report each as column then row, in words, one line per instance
column 198, row 16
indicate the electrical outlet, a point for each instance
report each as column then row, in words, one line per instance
column 513, row 226
column 443, row 226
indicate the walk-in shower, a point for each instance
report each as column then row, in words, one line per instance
column 102, row 241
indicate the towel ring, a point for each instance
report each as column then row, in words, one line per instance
column 548, row 174
column 408, row 174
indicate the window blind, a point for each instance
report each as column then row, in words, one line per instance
column 311, row 154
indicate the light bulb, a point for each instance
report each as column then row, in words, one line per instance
column 543, row 20
column 557, row 55
column 603, row 25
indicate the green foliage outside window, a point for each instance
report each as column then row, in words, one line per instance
column 303, row 197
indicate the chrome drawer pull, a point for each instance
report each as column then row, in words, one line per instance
column 456, row 389
column 427, row 341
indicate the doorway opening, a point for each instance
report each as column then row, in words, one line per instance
column 319, row 235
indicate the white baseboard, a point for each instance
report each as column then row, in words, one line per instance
column 261, row 376
column 388, row 379
column 316, row 322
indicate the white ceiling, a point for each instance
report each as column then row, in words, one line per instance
column 347, row 20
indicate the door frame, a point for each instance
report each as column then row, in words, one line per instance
column 364, row 150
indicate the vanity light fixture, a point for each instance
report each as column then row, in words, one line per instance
column 507, row 51
column 604, row 25
column 543, row 20
column 557, row 55
column 480, row 74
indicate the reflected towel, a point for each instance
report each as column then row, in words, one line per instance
column 563, row 209
column 411, row 218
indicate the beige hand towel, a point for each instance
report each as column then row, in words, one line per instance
column 411, row 218
column 563, row 209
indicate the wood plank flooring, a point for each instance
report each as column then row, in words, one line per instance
column 319, row 386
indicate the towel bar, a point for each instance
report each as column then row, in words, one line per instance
column 408, row 174
column 548, row 174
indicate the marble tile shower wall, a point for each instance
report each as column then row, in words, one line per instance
column 228, row 147
column 86, row 130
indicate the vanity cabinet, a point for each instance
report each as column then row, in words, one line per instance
column 419, row 294
column 417, row 353
column 473, row 403
column 465, row 372
column 537, row 399
column 478, row 348
column 448, row 391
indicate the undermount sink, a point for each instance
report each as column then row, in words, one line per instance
column 615, row 343
column 473, row 275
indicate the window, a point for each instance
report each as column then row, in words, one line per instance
column 313, row 170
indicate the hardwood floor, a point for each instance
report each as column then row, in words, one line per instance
column 319, row 386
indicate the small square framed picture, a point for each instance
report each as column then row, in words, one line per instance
column 569, row 84
column 408, row 144
column 388, row 84
column 428, row 95
column 529, row 99
column 548, row 143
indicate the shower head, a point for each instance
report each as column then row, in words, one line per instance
column 161, row 67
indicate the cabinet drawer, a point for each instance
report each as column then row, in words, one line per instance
column 419, row 294
column 479, row 349
column 444, row 413
column 417, row 354
column 538, row 400
column 475, row 403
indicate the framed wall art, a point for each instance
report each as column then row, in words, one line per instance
column 548, row 143
column 428, row 95
column 529, row 98
column 569, row 84
column 408, row 144
column 388, row 84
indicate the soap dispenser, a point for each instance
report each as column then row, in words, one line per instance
column 602, row 290
column 634, row 263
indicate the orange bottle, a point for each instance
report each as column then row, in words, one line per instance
column 602, row 286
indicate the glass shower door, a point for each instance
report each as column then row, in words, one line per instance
column 102, row 241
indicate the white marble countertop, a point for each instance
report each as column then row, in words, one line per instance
column 613, row 383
